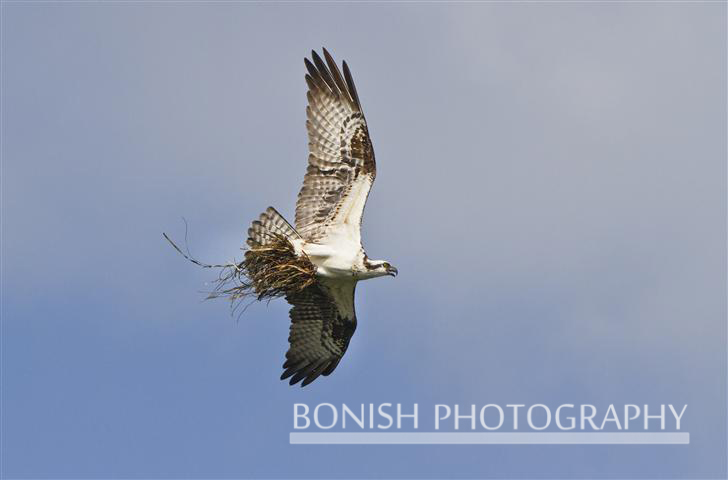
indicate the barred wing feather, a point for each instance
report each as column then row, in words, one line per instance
column 322, row 323
column 341, row 166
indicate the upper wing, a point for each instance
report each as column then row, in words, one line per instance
column 341, row 167
column 322, row 323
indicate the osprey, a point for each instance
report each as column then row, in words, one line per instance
column 323, row 252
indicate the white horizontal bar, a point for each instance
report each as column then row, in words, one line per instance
column 490, row 438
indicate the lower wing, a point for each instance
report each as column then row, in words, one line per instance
column 322, row 324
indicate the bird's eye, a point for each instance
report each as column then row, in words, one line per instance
column 386, row 265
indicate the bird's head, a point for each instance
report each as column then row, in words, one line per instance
column 379, row 268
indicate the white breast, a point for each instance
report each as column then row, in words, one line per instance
column 339, row 252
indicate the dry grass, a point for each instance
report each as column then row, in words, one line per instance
column 275, row 270
column 267, row 272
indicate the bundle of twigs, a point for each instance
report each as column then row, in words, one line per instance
column 267, row 271
column 274, row 269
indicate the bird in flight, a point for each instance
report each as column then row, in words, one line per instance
column 317, row 264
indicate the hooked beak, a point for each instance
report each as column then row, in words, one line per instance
column 392, row 271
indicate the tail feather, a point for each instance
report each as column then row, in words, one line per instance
column 270, row 223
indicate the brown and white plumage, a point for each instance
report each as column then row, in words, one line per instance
column 320, row 332
column 341, row 171
column 341, row 166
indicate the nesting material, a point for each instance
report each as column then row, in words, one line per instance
column 267, row 272
column 274, row 270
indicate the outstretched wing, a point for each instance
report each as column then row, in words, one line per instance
column 341, row 167
column 322, row 323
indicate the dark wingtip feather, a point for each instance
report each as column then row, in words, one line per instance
column 325, row 75
column 315, row 374
column 296, row 378
column 329, row 58
column 312, row 85
column 316, row 59
column 350, row 84
column 337, row 78
column 331, row 367
column 310, row 67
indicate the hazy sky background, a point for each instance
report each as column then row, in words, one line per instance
column 551, row 185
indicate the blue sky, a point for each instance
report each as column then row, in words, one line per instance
column 551, row 185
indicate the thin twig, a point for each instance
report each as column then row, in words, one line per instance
column 268, row 271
